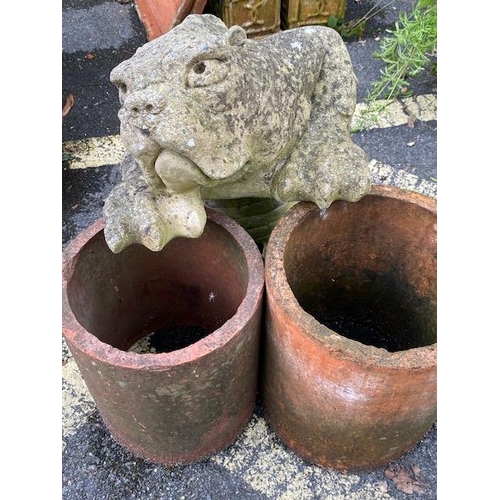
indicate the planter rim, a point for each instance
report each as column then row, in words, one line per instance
column 278, row 290
column 92, row 346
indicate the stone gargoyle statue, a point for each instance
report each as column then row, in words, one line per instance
column 208, row 114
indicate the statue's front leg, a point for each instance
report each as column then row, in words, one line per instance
column 326, row 166
column 134, row 213
column 130, row 212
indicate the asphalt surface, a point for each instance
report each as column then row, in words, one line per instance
column 96, row 36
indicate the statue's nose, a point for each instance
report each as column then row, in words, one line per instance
column 145, row 102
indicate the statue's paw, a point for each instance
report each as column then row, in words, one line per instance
column 116, row 235
column 336, row 174
column 354, row 174
column 131, row 216
column 134, row 214
column 116, row 220
column 319, row 185
column 184, row 213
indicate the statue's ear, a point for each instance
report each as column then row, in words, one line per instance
column 236, row 36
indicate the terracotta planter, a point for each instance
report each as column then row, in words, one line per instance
column 160, row 16
column 349, row 376
column 194, row 398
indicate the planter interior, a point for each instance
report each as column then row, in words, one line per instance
column 121, row 298
column 368, row 272
column 349, row 379
column 200, row 300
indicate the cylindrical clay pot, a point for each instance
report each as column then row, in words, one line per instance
column 349, row 376
column 194, row 398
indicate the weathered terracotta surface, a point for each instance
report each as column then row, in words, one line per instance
column 178, row 406
column 160, row 16
column 358, row 389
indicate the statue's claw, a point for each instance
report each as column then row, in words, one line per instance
column 135, row 215
column 329, row 176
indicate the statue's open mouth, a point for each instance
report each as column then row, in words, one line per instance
column 178, row 173
column 165, row 170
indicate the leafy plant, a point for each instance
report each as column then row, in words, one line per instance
column 407, row 52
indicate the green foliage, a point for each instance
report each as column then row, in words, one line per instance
column 354, row 27
column 406, row 52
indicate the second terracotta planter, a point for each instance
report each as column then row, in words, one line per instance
column 349, row 376
column 204, row 296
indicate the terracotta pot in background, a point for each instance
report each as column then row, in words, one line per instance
column 191, row 400
column 349, row 377
column 160, row 16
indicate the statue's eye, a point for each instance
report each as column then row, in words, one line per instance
column 207, row 72
column 199, row 68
